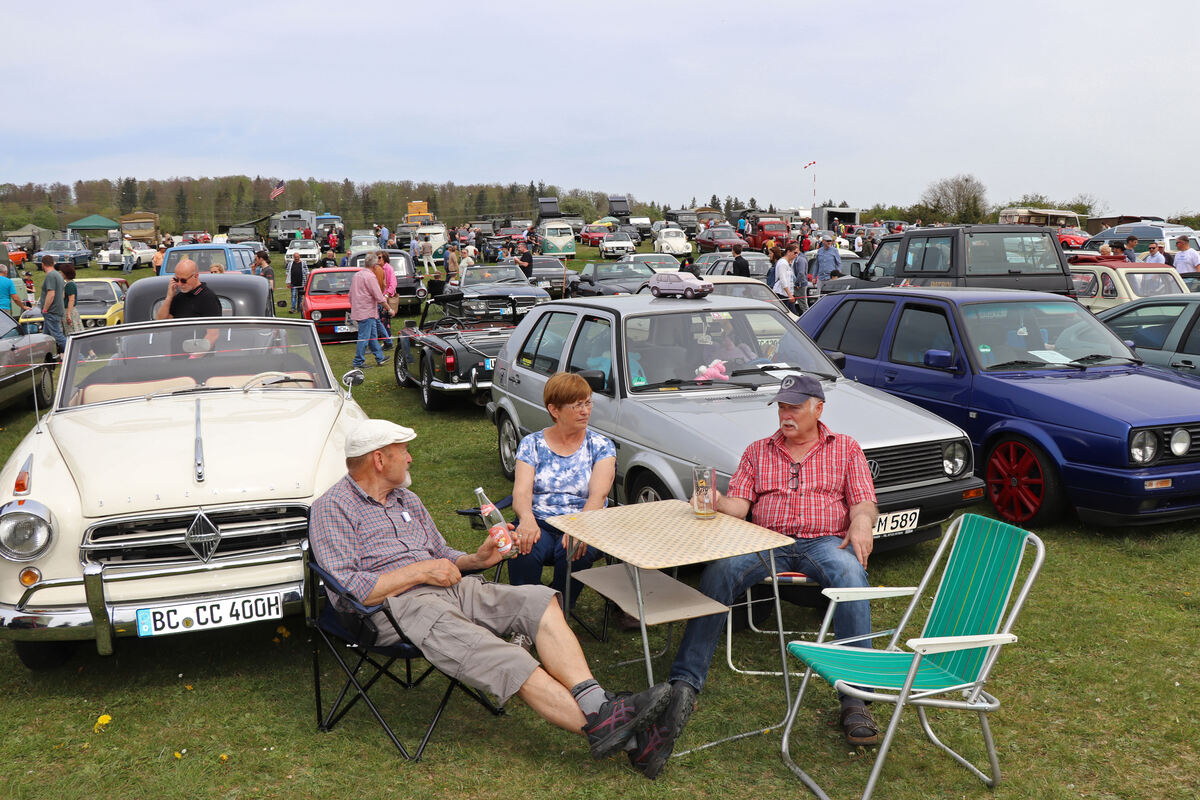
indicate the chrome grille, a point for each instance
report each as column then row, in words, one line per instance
column 907, row 465
column 160, row 538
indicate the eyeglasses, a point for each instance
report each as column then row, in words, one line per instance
column 795, row 483
column 582, row 405
column 178, row 279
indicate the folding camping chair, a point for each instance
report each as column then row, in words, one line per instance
column 786, row 580
column 971, row 616
column 339, row 631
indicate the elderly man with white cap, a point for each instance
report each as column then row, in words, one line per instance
column 376, row 537
column 814, row 485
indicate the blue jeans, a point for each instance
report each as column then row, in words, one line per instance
column 382, row 331
column 727, row 580
column 366, row 336
column 52, row 325
column 297, row 294
column 527, row 569
column 127, row 266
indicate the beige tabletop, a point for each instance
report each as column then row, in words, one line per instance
column 666, row 534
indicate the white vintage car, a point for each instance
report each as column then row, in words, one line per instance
column 309, row 250
column 168, row 489
column 143, row 256
column 615, row 245
column 673, row 241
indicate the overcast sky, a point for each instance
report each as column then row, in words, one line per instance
column 663, row 100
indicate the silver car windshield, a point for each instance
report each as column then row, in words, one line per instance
column 668, row 350
column 1039, row 335
column 186, row 357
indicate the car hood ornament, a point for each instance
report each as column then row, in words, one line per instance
column 202, row 537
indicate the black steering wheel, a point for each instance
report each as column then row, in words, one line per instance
column 448, row 322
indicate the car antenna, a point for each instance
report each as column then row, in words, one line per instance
column 37, row 415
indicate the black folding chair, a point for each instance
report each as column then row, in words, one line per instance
column 340, row 631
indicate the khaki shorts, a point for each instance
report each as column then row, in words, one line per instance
column 459, row 630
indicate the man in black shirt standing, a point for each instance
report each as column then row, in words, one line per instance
column 187, row 296
column 525, row 260
column 741, row 266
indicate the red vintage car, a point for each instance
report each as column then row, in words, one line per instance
column 592, row 235
column 718, row 238
column 327, row 302
column 1072, row 238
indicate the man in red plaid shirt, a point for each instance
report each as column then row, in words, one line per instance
column 812, row 484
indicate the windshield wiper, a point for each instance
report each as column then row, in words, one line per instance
column 760, row 368
column 1094, row 358
column 1017, row 363
column 697, row 382
column 188, row 390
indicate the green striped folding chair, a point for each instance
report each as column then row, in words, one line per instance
column 948, row 665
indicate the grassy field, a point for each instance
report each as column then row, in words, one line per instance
column 1097, row 693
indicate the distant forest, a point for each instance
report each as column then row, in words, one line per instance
column 208, row 203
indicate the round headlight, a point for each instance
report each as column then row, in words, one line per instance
column 24, row 530
column 954, row 458
column 1144, row 447
column 1181, row 442
column 316, row 316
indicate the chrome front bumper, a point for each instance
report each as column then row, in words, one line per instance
column 102, row 621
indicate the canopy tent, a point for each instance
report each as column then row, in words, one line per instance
column 95, row 222
column 31, row 234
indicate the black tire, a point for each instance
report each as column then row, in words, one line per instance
column 43, row 388
column 689, row 293
column 1022, row 482
column 39, row 656
column 654, row 291
column 647, row 488
column 430, row 399
column 400, row 367
column 507, row 439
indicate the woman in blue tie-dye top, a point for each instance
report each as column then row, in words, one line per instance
column 560, row 470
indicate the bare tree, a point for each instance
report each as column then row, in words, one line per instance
column 962, row 198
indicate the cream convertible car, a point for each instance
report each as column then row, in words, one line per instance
column 168, row 489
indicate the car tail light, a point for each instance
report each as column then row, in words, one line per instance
column 451, row 359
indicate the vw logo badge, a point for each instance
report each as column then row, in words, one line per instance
column 202, row 537
column 873, row 465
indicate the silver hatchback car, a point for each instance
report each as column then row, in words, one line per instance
column 642, row 356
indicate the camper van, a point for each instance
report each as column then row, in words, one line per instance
column 558, row 238
column 436, row 234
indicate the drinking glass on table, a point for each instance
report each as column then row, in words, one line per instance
column 704, row 492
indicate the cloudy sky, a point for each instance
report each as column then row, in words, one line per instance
column 664, row 100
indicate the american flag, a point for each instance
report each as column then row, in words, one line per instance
column 278, row 190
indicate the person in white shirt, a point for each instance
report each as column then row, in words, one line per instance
column 1186, row 259
column 858, row 243
column 1154, row 255
column 785, row 279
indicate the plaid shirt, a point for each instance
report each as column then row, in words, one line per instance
column 358, row 540
column 807, row 499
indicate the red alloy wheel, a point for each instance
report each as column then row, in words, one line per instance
column 1021, row 485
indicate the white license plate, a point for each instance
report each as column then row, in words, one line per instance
column 344, row 329
column 489, row 363
column 897, row 522
column 207, row 614
column 543, row 284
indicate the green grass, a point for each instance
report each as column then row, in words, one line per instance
column 1099, row 694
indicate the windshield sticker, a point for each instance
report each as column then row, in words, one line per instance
column 722, row 315
column 983, row 348
column 1050, row 356
column 704, row 339
column 639, row 380
column 526, row 361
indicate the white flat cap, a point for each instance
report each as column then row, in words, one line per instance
column 372, row 434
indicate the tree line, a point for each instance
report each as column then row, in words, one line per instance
column 186, row 203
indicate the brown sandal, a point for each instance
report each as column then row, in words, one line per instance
column 857, row 721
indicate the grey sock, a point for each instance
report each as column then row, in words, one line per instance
column 590, row 696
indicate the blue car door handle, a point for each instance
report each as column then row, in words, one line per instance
column 1183, row 363
column 889, row 375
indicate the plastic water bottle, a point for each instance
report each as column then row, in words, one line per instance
column 496, row 525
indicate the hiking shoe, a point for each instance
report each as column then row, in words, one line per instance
column 858, row 726
column 621, row 717
column 654, row 745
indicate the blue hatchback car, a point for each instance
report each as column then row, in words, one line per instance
column 1059, row 410
column 230, row 257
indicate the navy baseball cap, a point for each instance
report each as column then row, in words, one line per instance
column 796, row 389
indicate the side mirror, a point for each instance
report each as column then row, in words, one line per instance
column 837, row 357
column 354, row 377
column 588, row 279
column 594, row 378
column 1130, row 344
column 938, row 359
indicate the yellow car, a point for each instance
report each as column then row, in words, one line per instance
column 101, row 302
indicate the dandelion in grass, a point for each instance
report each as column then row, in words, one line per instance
column 101, row 722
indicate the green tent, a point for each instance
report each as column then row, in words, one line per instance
column 93, row 223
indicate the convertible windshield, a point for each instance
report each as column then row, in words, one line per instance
column 666, row 351
column 1042, row 334
column 494, row 273
column 121, row 364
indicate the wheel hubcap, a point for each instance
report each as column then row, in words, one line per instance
column 1016, row 482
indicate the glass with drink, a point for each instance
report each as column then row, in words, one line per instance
column 704, row 492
